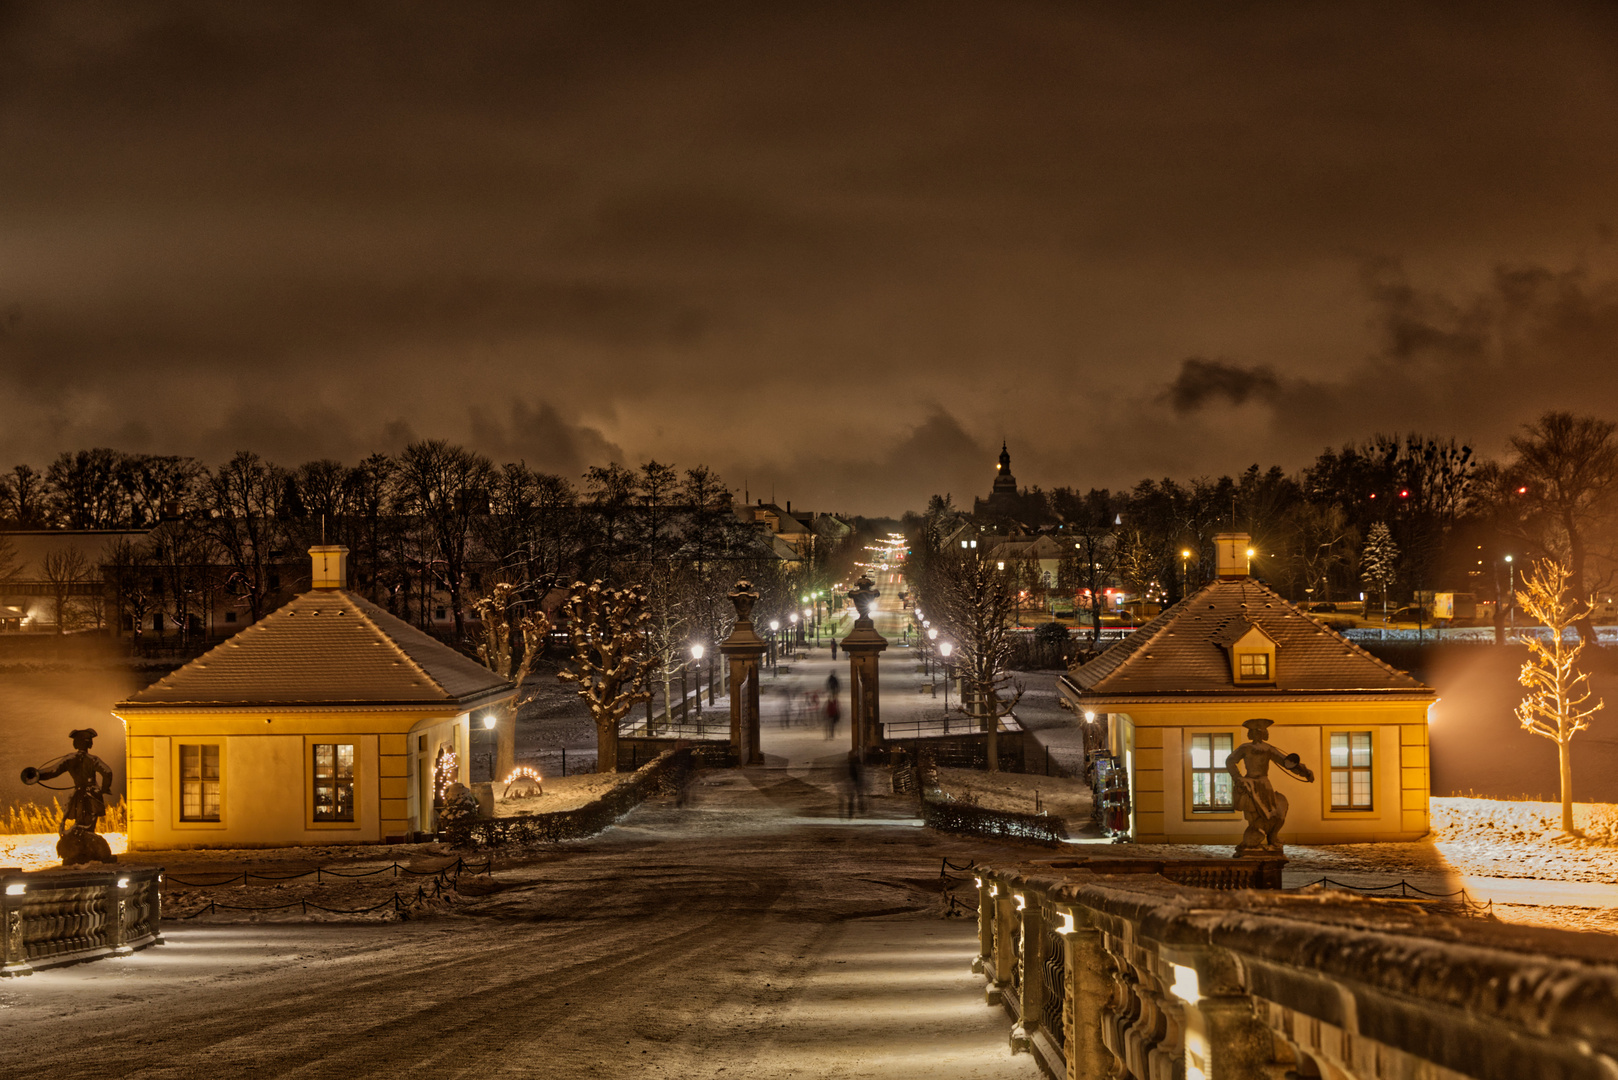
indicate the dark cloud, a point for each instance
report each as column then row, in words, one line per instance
column 771, row 237
column 538, row 436
column 1202, row 381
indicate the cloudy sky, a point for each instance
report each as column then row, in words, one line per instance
column 836, row 251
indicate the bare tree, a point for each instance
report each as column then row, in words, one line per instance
column 1568, row 468
column 23, row 495
column 65, row 569
column 1557, row 690
column 972, row 599
column 607, row 629
column 447, row 486
column 243, row 500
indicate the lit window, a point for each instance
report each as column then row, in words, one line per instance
column 1211, row 784
column 334, row 782
column 199, row 782
column 1351, row 770
column 1255, row 665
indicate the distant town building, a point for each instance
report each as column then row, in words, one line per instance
column 1173, row 696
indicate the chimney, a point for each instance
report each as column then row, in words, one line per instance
column 789, row 506
column 1231, row 555
column 330, row 566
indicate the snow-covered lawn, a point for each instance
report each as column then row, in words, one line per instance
column 561, row 793
column 1020, row 793
column 37, row 851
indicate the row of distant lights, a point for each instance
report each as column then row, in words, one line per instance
column 944, row 647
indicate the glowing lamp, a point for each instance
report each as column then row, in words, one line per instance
column 775, row 624
column 488, row 722
column 932, row 635
column 945, row 649
column 696, row 652
column 123, row 883
column 1185, row 985
column 17, row 889
column 1022, row 902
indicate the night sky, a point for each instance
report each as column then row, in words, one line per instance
column 837, row 251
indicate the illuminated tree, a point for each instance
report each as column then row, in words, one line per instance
column 1557, row 690
column 499, row 654
column 607, row 629
column 971, row 599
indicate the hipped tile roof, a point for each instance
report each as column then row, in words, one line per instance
column 1184, row 652
column 327, row 647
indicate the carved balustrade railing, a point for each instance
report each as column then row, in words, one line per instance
column 1131, row 976
column 64, row 916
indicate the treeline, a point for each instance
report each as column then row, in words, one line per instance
column 1451, row 517
column 434, row 526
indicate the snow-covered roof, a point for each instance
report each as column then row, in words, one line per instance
column 327, row 647
column 1184, row 652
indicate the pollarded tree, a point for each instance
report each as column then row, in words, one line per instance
column 499, row 654
column 1557, row 690
column 607, row 628
column 1379, row 562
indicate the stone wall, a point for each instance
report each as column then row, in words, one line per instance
column 66, row 916
column 1133, row 976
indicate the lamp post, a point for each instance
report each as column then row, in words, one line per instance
column 488, row 725
column 932, row 636
column 792, row 632
column 696, row 658
column 944, row 649
column 1511, row 593
column 1185, row 572
column 775, row 627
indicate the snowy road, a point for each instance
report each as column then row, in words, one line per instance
column 754, row 934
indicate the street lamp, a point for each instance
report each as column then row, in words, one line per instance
column 944, row 649
column 1511, row 593
column 932, row 636
column 775, row 626
column 1185, row 572
column 792, row 632
column 696, row 656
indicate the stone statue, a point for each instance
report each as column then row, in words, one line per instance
column 92, row 779
column 1263, row 806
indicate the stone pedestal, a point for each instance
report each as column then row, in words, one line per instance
column 744, row 649
column 863, row 645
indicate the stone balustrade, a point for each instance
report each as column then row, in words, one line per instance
column 64, row 916
column 1130, row 976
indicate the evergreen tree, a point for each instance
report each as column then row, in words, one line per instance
column 1379, row 561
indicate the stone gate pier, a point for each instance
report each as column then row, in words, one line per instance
column 1135, row 976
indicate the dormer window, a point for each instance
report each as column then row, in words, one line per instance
column 1252, row 654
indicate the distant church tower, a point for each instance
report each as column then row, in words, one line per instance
column 1004, row 482
column 1002, row 497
